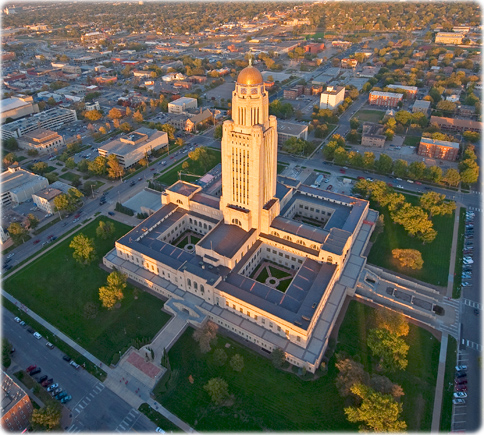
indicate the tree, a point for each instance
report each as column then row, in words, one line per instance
column 17, row 232
column 471, row 136
column 105, row 230
column 446, row 106
column 416, row 170
column 219, row 357
column 10, row 144
column 400, row 168
column 340, row 156
column 115, row 169
column 202, row 157
column 169, row 130
column 126, row 127
column 350, row 373
column 217, row 134
column 138, row 117
column 435, row 204
column 408, row 258
column 451, row 177
column 93, row 115
column 84, row 250
column 384, row 164
column 115, row 113
column 378, row 412
column 69, row 201
column 368, row 160
column 97, row 166
column 329, row 149
column 9, row 159
column 278, row 357
column 218, row 390
column 433, row 173
column 237, row 362
column 70, row 163
column 393, row 322
column 206, row 336
column 48, row 417
column 40, row 167
column 403, row 117
column 33, row 221
column 113, row 291
column 354, row 123
column 383, row 385
column 391, row 349
column 295, row 145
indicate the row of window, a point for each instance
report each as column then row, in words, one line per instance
column 289, row 239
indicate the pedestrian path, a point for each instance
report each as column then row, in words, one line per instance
column 128, row 422
column 471, row 344
column 439, row 388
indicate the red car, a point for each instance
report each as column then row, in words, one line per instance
column 77, row 215
column 360, row 178
column 389, row 184
column 30, row 368
column 461, row 387
column 50, row 237
column 342, row 171
column 418, row 182
column 36, row 241
column 329, row 187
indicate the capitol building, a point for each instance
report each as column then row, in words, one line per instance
column 271, row 260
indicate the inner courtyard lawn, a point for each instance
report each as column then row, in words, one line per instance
column 57, row 288
column 276, row 271
column 435, row 269
column 267, row 399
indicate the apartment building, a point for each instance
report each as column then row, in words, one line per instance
column 438, row 149
column 386, row 99
column 332, row 97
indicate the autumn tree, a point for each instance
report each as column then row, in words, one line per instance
column 112, row 293
column 9, row 159
column 39, row 167
column 391, row 349
column 392, row 321
column 451, row 177
column 138, row 117
column 17, row 232
column 435, row 204
column 377, row 412
column 84, row 250
column 97, row 166
column 93, row 115
column 47, row 418
column 218, row 390
column 202, row 158
column 237, row 362
column 115, row 169
column 206, row 336
column 105, row 230
column 350, row 373
column 69, row 201
column 408, row 258
column 33, row 221
column 70, row 163
column 115, row 113
column 383, row 385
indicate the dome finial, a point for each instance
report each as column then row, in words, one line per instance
column 250, row 59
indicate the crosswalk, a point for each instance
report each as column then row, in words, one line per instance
column 472, row 304
column 76, row 427
column 476, row 192
column 471, row 344
column 473, row 208
column 452, row 302
column 128, row 421
column 85, row 401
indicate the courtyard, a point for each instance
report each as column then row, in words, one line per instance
column 273, row 275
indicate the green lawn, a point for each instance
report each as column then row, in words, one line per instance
column 411, row 141
column 170, row 177
column 69, row 176
column 370, row 115
column 62, row 287
column 456, row 291
column 266, row 399
column 450, row 362
column 418, row 380
column 436, row 267
column 281, row 167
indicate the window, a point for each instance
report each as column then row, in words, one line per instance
column 255, row 317
column 236, row 222
column 189, row 282
column 195, row 285
column 278, row 328
column 202, row 288
column 179, row 201
column 227, row 303
column 298, row 338
column 248, row 313
column 263, row 321
column 241, row 310
column 233, row 306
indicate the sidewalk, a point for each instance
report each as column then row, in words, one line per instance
column 439, row 388
column 453, row 251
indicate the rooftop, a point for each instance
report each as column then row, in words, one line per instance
column 290, row 128
column 250, row 76
column 13, row 181
column 442, row 143
column 184, row 188
column 226, row 239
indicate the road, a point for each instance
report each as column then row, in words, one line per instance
column 93, row 406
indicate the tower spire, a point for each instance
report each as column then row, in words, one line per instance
column 250, row 59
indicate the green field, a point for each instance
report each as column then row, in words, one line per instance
column 57, row 288
column 170, row 177
column 436, row 267
column 69, row 176
column 369, row 115
column 411, row 141
column 266, row 399
column 281, row 167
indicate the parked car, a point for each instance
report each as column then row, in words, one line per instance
column 37, row 335
column 42, row 378
column 460, row 395
column 458, row 401
column 52, row 387
column 36, row 241
column 329, row 187
column 461, row 368
column 66, row 358
column 47, row 382
column 49, row 345
column 35, row 371
column 61, row 395
column 461, row 387
column 17, row 319
column 56, row 391
column 111, row 213
column 66, row 399
column 75, row 365
column 31, row 367
column 460, row 374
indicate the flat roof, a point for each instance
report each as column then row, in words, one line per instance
column 19, row 180
column 183, row 100
column 226, row 239
column 123, row 145
column 442, row 143
column 386, row 94
column 290, row 127
column 423, row 104
column 41, row 134
column 183, row 188
column 13, row 103
column 48, row 193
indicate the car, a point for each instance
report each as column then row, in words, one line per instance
column 56, row 391
column 50, row 237
column 35, row 371
column 43, row 378
column 30, row 330
column 47, row 382
column 66, row 399
column 427, row 188
column 460, row 374
column 398, row 179
column 418, row 182
column 36, row 241
column 458, row 401
column 132, row 183
column 140, row 178
column 111, row 213
column 461, row 387
column 66, row 358
column 342, row 171
column 75, row 365
column 460, row 395
column 22, row 323
column 163, row 163
column 159, row 430
column 31, row 367
column 61, row 395
column 370, row 179
column 461, row 368
column 49, row 345
column 11, row 255
column 53, row 387
column 329, row 187
column 17, row 319
column 360, row 178
column 37, row 335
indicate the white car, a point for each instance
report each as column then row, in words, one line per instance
column 460, row 395
column 17, row 319
column 37, row 335
column 52, row 387
column 11, row 255
column 461, row 368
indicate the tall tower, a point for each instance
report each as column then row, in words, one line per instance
column 249, row 153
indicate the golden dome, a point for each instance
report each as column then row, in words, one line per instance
column 250, row 76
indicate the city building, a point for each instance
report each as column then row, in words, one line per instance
column 182, row 104
column 286, row 130
column 349, row 63
column 332, row 97
column 18, row 107
column 372, row 135
column 18, row 185
column 438, row 149
column 293, row 93
column 257, row 222
column 44, row 199
column 134, row 146
column 93, row 105
column 16, row 406
column 51, row 119
column 410, row 90
column 41, row 140
column 448, row 38
column 421, row 106
column 455, row 124
column 386, row 99
column 313, row 48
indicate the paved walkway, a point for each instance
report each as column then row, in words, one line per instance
column 453, row 251
column 439, row 388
